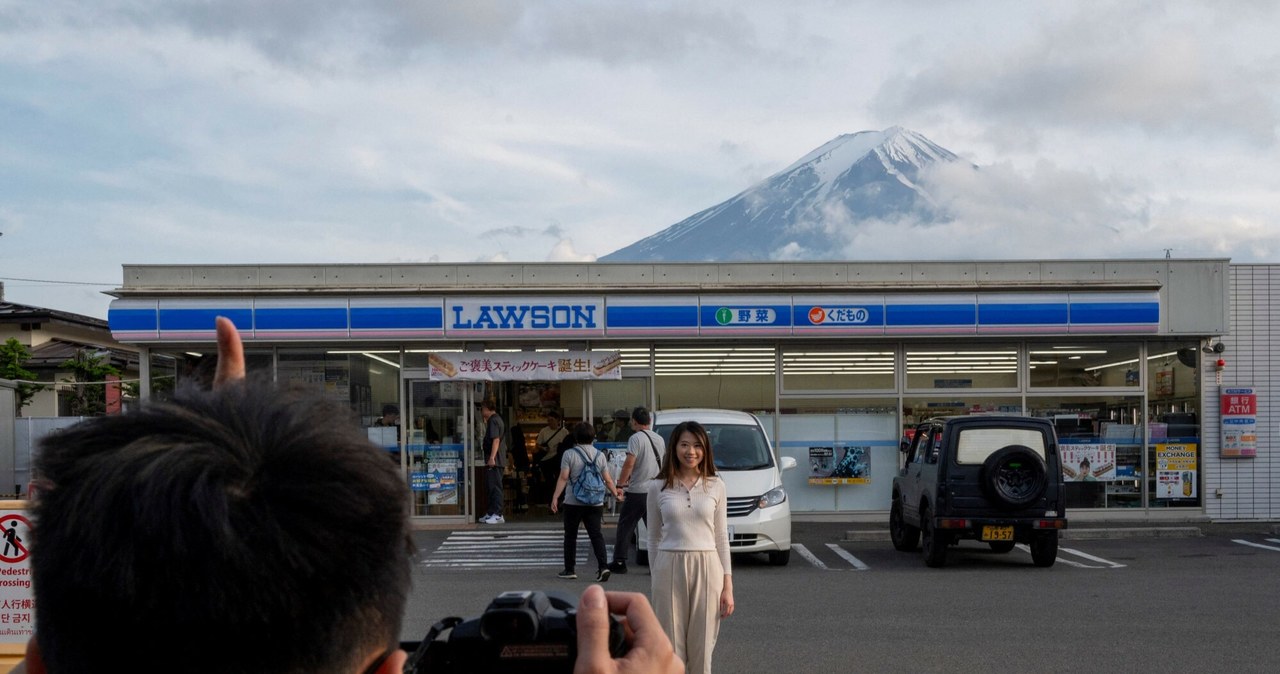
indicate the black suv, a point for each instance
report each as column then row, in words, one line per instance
column 995, row 479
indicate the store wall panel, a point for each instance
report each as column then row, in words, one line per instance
column 425, row 275
column 1250, row 487
column 886, row 272
column 817, row 274
column 944, row 272
column 556, row 274
column 634, row 274
column 1026, row 272
column 217, row 276
column 1072, row 272
column 291, row 276
column 491, row 275
column 686, row 273
column 358, row 276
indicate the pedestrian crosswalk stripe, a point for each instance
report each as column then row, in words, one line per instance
column 509, row 549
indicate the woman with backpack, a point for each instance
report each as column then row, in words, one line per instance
column 585, row 470
column 691, row 577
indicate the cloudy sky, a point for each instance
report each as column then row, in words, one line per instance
column 365, row 131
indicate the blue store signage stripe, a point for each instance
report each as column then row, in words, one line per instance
column 397, row 318
column 187, row 320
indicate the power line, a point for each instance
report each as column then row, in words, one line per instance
column 39, row 280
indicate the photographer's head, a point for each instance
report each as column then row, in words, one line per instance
column 241, row 530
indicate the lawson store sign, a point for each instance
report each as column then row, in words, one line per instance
column 586, row 316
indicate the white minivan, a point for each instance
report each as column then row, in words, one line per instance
column 759, row 514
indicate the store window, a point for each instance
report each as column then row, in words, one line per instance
column 952, row 366
column 729, row 377
column 846, row 451
column 171, row 369
column 1174, row 444
column 865, row 368
column 1084, row 364
column 366, row 380
column 1100, row 439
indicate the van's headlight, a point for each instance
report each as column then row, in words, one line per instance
column 773, row 497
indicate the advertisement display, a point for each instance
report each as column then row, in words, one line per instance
column 840, row 464
column 1176, row 471
column 1089, row 463
column 525, row 366
column 1239, row 423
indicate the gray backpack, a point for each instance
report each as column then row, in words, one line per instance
column 588, row 487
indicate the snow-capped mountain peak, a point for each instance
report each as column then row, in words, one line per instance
column 798, row 211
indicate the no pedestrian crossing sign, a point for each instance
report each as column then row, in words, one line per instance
column 17, row 605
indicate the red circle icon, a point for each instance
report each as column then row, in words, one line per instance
column 817, row 315
column 13, row 531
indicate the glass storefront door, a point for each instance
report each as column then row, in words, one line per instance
column 435, row 447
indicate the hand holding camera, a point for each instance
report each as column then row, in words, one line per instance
column 532, row 631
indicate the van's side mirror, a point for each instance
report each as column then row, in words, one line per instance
column 787, row 463
column 904, row 445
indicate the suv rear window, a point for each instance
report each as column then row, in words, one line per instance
column 735, row 446
column 976, row 444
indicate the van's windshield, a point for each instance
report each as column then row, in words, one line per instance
column 735, row 446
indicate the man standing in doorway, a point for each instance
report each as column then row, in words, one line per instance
column 494, row 447
column 644, row 451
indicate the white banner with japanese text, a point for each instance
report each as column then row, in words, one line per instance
column 525, row 366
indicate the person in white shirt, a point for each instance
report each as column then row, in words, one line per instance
column 691, row 576
column 644, row 457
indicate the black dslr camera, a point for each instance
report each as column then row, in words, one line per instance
column 522, row 631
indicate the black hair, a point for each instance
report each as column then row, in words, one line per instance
column 584, row 433
column 640, row 415
column 241, row 530
column 670, row 469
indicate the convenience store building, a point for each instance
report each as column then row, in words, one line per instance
column 1132, row 359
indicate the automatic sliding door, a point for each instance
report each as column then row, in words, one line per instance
column 437, row 427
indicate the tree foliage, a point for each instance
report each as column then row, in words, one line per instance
column 13, row 357
column 88, row 393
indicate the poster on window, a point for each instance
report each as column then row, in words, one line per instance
column 1088, row 463
column 1176, row 471
column 840, row 464
column 1164, row 383
column 525, row 366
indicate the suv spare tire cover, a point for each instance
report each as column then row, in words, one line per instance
column 1014, row 475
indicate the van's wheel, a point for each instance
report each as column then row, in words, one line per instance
column 780, row 557
column 1044, row 548
column 1001, row 546
column 642, row 557
column 904, row 536
column 934, row 542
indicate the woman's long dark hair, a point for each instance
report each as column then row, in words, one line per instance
column 669, row 462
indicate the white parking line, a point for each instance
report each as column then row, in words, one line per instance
column 1090, row 557
column 1256, row 545
column 804, row 552
column 1274, row 540
column 857, row 563
column 1068, row 562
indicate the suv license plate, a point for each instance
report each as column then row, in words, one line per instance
column 990, row 533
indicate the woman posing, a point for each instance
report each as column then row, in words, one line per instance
column 692, row 581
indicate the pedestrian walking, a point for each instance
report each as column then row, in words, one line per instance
column 644, row 457
column 585, row 471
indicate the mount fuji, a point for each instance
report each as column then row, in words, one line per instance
column 811, row 209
